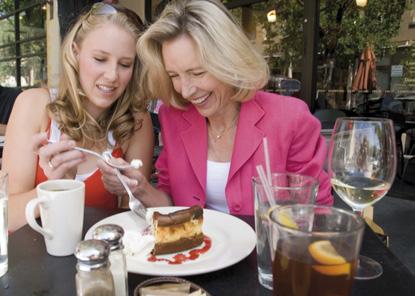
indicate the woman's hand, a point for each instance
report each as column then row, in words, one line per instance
column 138, row 183
column 132, row 177
column 58, row 160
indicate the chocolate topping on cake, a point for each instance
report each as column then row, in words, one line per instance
column 178, row 217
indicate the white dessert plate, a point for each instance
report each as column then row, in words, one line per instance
column 232, row 241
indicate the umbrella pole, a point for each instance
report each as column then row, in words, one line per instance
column 366, row 102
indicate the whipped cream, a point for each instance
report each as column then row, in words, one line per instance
column 136, row 244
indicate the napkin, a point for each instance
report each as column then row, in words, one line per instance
column 170, row 289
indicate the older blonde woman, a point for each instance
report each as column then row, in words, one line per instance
column 198, row 61
column 96, row 107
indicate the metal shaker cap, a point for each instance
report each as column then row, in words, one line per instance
column 111, row 233
column 92, row 254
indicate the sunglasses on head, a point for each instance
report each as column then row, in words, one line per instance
column 103, row 9
column 109, row 9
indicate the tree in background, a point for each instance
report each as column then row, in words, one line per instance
column 7, row 68
column 345, row 30
column 283, row 43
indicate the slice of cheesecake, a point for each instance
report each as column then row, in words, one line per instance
column 177, row 231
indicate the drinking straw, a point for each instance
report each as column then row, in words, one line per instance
column 266, row 185
column 267, row 162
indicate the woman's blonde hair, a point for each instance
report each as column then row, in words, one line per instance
column 225, row 51
column 68, row 110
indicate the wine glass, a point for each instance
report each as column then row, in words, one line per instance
column 362, row 167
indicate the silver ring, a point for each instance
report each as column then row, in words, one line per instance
column 50, row 164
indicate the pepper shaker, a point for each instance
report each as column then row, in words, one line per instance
column 112, row 234
column 93, row 276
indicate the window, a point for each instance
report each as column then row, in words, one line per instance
column 344, row 31
column 22, row 43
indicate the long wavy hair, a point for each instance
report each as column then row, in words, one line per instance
column 225, row 51
column 68, row 107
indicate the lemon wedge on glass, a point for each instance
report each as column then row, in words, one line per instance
column 284, row 219
column 332, row 263
column 324, row 253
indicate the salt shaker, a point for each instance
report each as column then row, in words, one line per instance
column 93, row 276
column 112, row 234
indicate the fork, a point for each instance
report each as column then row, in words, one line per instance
column 135, row 163
column 134, row 204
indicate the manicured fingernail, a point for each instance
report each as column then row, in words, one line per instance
column 134, row 182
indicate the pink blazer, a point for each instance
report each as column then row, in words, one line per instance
column 294, row 140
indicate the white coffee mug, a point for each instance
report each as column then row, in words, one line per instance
column 61, row 204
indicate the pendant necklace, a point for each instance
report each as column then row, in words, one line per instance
column 218, row 135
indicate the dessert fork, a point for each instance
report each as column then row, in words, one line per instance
column 134, row 204
column 135, row 163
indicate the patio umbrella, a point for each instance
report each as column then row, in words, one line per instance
column 365, row 77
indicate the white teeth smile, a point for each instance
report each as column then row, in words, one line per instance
column 200, row 100
column 105, row 88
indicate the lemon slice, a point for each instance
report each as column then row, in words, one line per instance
column 332, row 262
column 283, row 218
column 324, row 253
column 268, row 213
column 286, row 220
column 333, row 270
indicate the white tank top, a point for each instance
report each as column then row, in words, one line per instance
column 216, row 179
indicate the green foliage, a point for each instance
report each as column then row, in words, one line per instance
column 7, row 68
column 374, row 25
column 287, row 29
column 344, row 30
column 6, row 6
column 32, row 25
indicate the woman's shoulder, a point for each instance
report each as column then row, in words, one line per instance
column 37, row 96
column 286, row 112
column 277, row 108
column 275, row 101
column 175, row 120
column 30, row 107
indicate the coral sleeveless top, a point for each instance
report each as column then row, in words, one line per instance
column 95, row 193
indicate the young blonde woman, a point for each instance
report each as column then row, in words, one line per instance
column 96, row 107
column 200, row 63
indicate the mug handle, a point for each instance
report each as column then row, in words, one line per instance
column 30, row 216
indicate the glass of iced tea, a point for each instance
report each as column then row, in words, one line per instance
column 315, row 250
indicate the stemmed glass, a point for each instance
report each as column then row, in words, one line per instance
column 362, row 167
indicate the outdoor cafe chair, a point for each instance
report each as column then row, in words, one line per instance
column 405, row 143
column 408, row 152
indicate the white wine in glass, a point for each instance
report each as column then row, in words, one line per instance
column 362, row 167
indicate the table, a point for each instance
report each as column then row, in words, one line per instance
column 33, row 272
column 397, row 218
